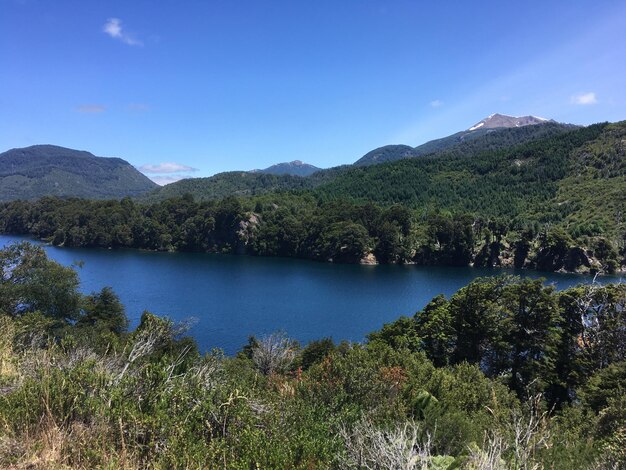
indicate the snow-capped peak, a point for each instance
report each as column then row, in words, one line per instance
column 497, row 120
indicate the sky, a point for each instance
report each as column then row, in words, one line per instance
column 193, row 88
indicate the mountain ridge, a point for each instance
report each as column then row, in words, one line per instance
column 51, row 170
column 293, row 168
column 498, row 124
column 497, row 120
column 457, row 145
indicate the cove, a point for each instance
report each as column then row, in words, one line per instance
column 226, row 298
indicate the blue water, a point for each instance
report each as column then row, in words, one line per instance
column 227, row 298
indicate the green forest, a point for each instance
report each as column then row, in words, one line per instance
column 506, row 373
column 553, row 203
column 303, row 226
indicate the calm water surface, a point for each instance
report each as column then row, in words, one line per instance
column 229, row 298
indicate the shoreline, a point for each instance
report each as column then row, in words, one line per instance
column 367, row 260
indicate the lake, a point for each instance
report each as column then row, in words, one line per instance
column 227, row 298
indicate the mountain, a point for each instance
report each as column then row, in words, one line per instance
column 463, row 145
column 231, row 183
column 294, row 168
column 576, row 178
column 551, row 203
column 387, row 153
column 571, row 175
column 493, row 131
column 496, row 121
column 49, row 170
column 280, row 177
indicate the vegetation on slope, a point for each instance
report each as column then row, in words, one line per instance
column 560, row 178
column 239, row 183
column 552, row 204
column 232, row 183
column 302, row 226
column 466, row 142
column 48, row 170
column 294, row 168
column 508, row 182
column 507, row 373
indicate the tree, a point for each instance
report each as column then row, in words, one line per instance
column 389, row 245
column 435, row 328
column 344, row 242
column 103, row 311
column 553, row 249
column 315, row 352
column 30, row 282
column 474, row 312
column 531, row 334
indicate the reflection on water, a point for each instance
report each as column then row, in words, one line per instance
column 229, row 298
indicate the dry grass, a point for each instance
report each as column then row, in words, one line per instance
column 80, row 446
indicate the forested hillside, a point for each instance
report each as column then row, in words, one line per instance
column 232, row 183
column 48, row 170
column 552, row 204
column 507, row 373
column 467, row 142
column 239, row 183
column 511, row 181
column 294, row 168
column 302, row 226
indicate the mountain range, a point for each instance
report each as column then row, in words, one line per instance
column 494, row 124
column 43, row 170
column 463, row 144
column 559, row 190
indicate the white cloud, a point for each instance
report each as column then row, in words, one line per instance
column 113, row 27
column 139, row 107
column 436, row 104
column 584, row 98
column 91, row 108
column 167, row 167
column 163, row 180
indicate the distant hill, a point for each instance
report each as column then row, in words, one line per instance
column 231, row 183
column 552, row 203
column 497, row 130
column 242, row 183
column 466, row 144
column 387, row 153
column 294, row 168
column 49, row 170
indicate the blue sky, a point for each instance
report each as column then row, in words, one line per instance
column 222, row 85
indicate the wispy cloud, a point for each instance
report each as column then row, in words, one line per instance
column 436, row 104
column 584, row 98
column 163, row 180
column 139, row 107
column 113, row 27
column 90, row 108
column 167, row 167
